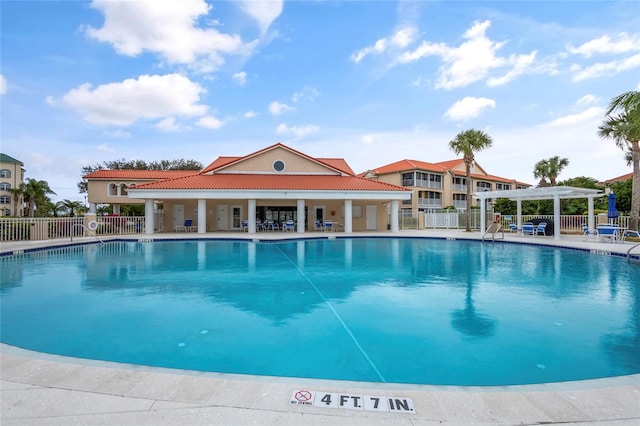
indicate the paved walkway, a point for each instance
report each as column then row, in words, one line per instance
column 41, row 389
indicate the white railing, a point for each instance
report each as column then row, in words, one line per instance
column 40, row 228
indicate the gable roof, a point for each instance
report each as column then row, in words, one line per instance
column 620, row 178
column 139, row 174
column 335, row 164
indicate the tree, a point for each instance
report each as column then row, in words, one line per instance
column 71, row 207
column 622, row 125
column 17, row 194
column 466, row 143
column 122, row 164
column 549, row 169
column 35, row 193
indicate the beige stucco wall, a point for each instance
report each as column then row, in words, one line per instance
column 98, row 192
column 264, row 163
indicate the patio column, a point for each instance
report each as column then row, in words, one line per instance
column 519, row 212
column 93, row 208
column 148, row 216
column 202, row 216
column 116, row 209
column 348, row 216
column 302, row 220
column 556, row 217
column 251, row 217
column 590, row 218
column 394, row 215
column 483, row 214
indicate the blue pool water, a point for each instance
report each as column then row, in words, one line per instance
column 398, row 310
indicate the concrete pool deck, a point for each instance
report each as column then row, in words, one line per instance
column 38, row 389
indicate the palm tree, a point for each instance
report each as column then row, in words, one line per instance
column 17, row 194
column 549, row 168
column 71, row 207
column 622, row 125
column 467, row 143
column 36, row 192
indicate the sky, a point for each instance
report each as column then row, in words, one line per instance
column 373, row 82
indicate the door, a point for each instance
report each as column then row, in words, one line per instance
column 236, row 217
column 223, row 218
column 372, row 218
column 178, row 215
column 319, row 214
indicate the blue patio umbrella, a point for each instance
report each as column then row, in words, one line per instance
column 612, row 212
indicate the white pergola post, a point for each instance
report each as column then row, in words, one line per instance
column 302, row 219
column 556, row 217
column 394, row 215
column 251, row 215
column 519, row 213
column 148, row 216
column 202, row 216
column 483, row 214
column 348, row 216
column 591, row 219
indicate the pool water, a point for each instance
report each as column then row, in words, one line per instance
column 401, row 310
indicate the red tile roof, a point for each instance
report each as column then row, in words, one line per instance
column 620, row 178
column 337, row 164
column 139, row 174
column 276, row 182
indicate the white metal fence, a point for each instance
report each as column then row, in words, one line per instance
column 32, row 229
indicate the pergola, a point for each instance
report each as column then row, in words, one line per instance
column 555, row 193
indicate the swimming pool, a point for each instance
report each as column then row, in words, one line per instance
column 398, row 310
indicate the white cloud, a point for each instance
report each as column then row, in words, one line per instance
column 277, row 108
column 210, row 122
column 250, row 114
column 308, row 93
column 3, row 85
column 240, row 78
column 606, row 68
column 147, row 97
column 587, row 100
column 472, row 60
column 469, row 107
column 166, row 28
column 298, row 131
column 263, row 12
column 105, row 148
column 118, row 134
column 168, row 125
column 593, row 114
column 606, row 45
column 400, row 40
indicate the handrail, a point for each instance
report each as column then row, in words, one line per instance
column 92, row 233
column 629, row 252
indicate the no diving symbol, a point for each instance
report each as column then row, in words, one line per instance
column 303, row 396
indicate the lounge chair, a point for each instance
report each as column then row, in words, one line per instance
column 188, row 226
column 328, row 225
column 513, row 227
column 528, row 228
column 540, row 229
column 318, row 225
column 586, row 232
column 608, row 231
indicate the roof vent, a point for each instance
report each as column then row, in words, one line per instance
column 279, row 166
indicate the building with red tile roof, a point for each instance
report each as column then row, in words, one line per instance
column 439, row 185
column 275, row 184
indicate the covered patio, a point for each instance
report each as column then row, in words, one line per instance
column 555, row 193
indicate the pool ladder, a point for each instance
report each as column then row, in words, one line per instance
column 90, row 232
column 629, row 252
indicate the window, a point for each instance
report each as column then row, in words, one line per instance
column 502, row 186
column 483, row 186
column 407, row 179
column 6, row 212
column 5, row 199
column 279, row 166
column 4, row 186
column 4, row 173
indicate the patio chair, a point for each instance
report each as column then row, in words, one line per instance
column 586, row 232
column 328, row 225
column 528, row 228
column 318, row 225
column 188, row 226
column 608, row 231
column 289, row 225
column 513, row 227
column 540, row 229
